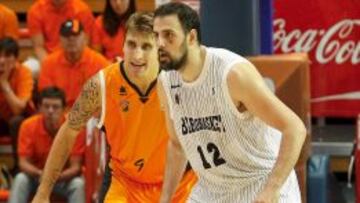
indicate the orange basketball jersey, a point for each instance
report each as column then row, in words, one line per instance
column 135, row 128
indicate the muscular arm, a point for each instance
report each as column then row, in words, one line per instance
column 39, row 46
column 247, row 87
column 174, row 169
column 87, row 103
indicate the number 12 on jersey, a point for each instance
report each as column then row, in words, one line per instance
column 214, row 150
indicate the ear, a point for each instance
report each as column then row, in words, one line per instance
column 193, row 37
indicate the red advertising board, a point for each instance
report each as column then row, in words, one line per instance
column 329, row 31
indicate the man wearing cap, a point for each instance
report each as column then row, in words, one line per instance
column 70, row 66
column 45, row 17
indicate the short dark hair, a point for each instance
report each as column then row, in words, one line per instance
column 9, row 47
column 140, row 22
column 112, row 21
column 53, row 93
column 187, row 16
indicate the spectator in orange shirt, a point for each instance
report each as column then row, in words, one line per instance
column 45, row 18
column 68, row 68
column 35, row 139
column 16, row 85
column 109, row 28
column 9, row 25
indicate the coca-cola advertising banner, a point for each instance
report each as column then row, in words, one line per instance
column 329, row 30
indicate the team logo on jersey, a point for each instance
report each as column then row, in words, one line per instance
column 212, row 123
column 122, row 91
column 124, row 105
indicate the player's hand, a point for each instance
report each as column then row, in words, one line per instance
column 267, row 196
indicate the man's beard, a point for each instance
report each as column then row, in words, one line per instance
column 175, row 64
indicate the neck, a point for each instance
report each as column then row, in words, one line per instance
column 194, row 64
column 51, row 128
column 143, row 81
column 72, row 57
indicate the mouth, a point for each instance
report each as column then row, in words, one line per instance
column 137, row 66
column 163, row 56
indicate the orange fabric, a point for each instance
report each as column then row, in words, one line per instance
column 112, row 46
column 126, row 191
column 9, row 25
column 44, row 18
column 136, row 133
column 57, row 71
column 21, row 83
column 35, row 142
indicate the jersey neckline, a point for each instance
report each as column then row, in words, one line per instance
column 143, row 97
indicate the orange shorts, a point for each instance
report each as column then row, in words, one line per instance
column 126, row 191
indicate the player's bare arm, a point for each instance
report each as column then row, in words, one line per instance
column 249, row 91
column 85, row 106
column 173, row 169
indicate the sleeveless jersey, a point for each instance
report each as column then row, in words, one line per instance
column 135, row 127
column 231, row 152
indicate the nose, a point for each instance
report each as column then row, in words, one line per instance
column 160, row 42
column 138, row 53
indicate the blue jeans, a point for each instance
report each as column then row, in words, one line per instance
column 25, row 185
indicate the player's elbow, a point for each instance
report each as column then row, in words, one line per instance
column 299, row 131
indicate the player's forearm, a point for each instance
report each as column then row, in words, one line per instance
column 290, row 148
column 59, row 153
column 175, row 167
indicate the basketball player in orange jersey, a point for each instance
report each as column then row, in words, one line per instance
column 125, row 95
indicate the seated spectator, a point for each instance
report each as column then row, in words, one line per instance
column 69, row 67
column 16, row 85
column 9, row 25
column 46, row 16
column 109, row 28
column 35, row 139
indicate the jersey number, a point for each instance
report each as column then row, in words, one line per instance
column 217, row 159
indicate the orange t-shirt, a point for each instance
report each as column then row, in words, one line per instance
column 44, row 18
column 9, row 25
column 21, row 83
column 57, row 71
column 135, row 129
column 112, row 46
column 35, row 142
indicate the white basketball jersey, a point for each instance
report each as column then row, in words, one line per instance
column 231, row 152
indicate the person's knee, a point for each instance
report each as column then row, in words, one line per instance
column 21, row 180
column 77, row 183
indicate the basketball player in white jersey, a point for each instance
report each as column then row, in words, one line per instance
column 240, row 139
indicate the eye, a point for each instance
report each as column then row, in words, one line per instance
column 169, row 35
column 147, row 47
column 131, row 44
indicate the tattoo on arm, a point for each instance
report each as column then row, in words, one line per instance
column 86, row 104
